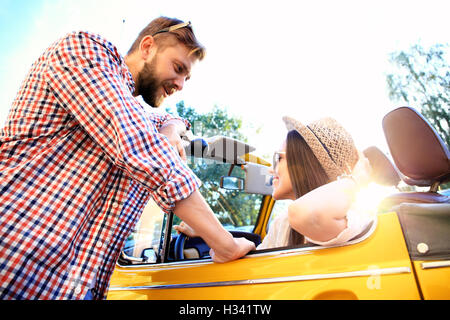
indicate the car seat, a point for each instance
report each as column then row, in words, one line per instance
column 383, row 171
column 420, row 156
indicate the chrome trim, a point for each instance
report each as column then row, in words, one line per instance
column 361, row 273
column 274, row 253
column 435, row 264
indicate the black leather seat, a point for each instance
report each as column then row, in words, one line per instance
column 420, row 156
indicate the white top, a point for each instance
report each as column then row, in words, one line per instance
column 278, row 235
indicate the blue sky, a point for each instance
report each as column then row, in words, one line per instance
column 265, row 59
column 12, row 12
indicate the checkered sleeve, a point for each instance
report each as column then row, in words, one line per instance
column 87, row 79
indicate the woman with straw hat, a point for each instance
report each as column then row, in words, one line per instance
column 320, row 169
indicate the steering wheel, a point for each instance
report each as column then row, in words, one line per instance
column 181, row 240
column 179, row 246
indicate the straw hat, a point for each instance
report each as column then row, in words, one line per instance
column 332, row 145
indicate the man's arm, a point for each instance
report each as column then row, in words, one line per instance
column 196, row 212
column 86, row 79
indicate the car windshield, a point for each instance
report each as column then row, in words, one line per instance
column 235, row 209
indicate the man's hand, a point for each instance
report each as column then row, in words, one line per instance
column 242, row 244
column 173, row 129
column 243, row 247
column 197, row 214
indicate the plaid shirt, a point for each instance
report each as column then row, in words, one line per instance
column 79, row 159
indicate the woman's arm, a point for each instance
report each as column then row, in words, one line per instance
column 321, row 214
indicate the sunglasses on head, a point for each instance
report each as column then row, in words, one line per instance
column 173, row 28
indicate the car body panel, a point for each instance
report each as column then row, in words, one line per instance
column 434, row 279
column 378, row 267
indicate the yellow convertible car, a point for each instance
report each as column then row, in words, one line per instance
column 403, row 254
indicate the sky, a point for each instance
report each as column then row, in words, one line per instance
column 265, row 59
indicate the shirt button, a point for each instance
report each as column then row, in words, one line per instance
column 78, row 290
column 115, row 205
column 99, row 244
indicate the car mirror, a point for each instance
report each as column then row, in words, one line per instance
column 232, row 183
column 149, row 255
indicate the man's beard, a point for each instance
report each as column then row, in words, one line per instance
column 147, row 85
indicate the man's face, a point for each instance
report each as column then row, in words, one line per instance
column 164, row 74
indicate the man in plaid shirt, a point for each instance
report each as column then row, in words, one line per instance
column 80, row 157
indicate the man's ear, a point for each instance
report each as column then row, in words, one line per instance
column 147, row 47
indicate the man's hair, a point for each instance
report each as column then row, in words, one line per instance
column 305, row 171
column 184, row 36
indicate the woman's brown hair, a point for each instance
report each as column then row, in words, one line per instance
column 305, row 172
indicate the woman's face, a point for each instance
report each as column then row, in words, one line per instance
column 282, row 186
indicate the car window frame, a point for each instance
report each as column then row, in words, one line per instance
column 276, row 251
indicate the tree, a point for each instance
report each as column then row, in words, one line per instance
column 215, row 122
column 233, row 208
column 422, row 80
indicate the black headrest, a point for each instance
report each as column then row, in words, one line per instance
column 420, row 155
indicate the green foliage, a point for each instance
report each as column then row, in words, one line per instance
column 232, row 208
column 215, row 122
column 422, row 80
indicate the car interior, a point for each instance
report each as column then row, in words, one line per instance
column 420, row 159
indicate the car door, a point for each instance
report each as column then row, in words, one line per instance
column 375, row 266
